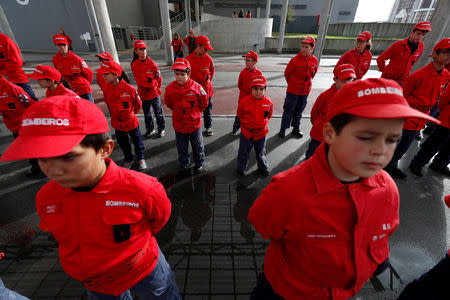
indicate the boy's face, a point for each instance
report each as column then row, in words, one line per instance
column 443, row 58
column 200, row 50
column 141, row 52
column 417, row 36
column 181, row 77
column 44, row 83
column 250, row 63
column 79, row 168
column 363, row 147
column 109, row 77
column 258, row 91
column 306, row 49
column 63, row 49
column 341, row 82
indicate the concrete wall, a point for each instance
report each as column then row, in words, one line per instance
column 129, row 14
column 235, row 35
column 385, row 29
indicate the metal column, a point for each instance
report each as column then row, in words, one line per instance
column 284, row 8
column 167, row 31
column 323, row 27
column 94, row 25
column 104, row 24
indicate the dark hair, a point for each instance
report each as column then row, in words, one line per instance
column 438, row 51
column 125, row 77
column 96, row 141
column 186, row 70
column 423, row 31
column 338, row 122
column 369, row 45
column 65, row 84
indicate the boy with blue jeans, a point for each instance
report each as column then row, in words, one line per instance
column 104, row 217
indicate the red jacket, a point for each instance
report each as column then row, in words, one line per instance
column 10, row 60
column 319, row 113
column 148, row 78
column 60, row 90
column 401, row 60
column 187, row 104
column 124, row 103
column 254, row 116
column 75, row 71
column 102, row 84
column 202, row 71
column 299, row 73
column 13, row 103
column 421, row 89
column 444, row 108
column 177, row 44
column 187, row 41
column 82, row 223
column 244, row 81
column 327, row 238
column 361, row 62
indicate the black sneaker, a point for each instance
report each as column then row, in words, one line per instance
column 282, row 133
column 264, row 172
column 297, row 133
column 395, row 172
column 149, row 133
column 443, row 170
column 240, row 172
column 415, row 170
column 198, row 169
column 161, row 133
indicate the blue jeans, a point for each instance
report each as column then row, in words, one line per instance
column 177, row 54
column 292, row 110
column 236, row 124
column 198, row 149
column 88, row 97
column 245, row 146
column 437, row 142
column 207, row 114
column 403, row 145
column 263, row 290
column 160, row 284
column 155, row 103
column 27, row 88
column 122, row 140
column 313, row 144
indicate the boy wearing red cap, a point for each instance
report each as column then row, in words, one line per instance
column 124, row 103
column 49, row 78
column 244, row 82
column 202, row 72
column 359, row 57
column 73, row 69
column 299, row 73
column 104, row 217
column 421, row 89
column 187, row 99
column 190, row 41
column 403, row 54
column 254, row 111
column 149, row 80
column 343, row 74
column 328, row 240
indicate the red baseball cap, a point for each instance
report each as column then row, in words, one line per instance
column 251, row 54
column 447, row 200
column 139, row 44
column 374, row 98
column 258, row 80
column 204, row 41
column 442, row 44
column 424, row 25
column 54, row 126
column 60, row 39
column 110, row 66
column 344, row 71
column 43, row 72
column 105, row 55
column 191, row 31
column 181, row 64
column 309, row 40
column 365, row 36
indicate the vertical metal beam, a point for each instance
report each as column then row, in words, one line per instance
column 94, row 25
column 104, row 23
column 268, row 3
column 5, row 28
column 167, row 31
column 258, row 12
column 187, row 12
column 323, row 27
column 197, row 11
column 284, row 8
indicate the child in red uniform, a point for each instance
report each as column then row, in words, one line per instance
column 421, row 89
column 403, row 54
column 244, row 82
column 187, row 99
column 149, row 80
column 49, row 78
column 190, row 41
column 104, row 217
column 299, row 73
column 329, row 234
column 360, row 56
column 177, row 44
column 203, row 72
column 73, row 69
column 343, row 74
column 254, row 111
column 124, row 103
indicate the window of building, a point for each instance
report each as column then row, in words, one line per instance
column 425, row 3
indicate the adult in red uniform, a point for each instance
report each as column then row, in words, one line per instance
column 328, row 238
column 359, row 57
column 149, row 80
column 49, row 78
column 402, row 55
column 187, row 99
column 244, row 82
column 202, row 72
column 11, row 65
column 421, row 89
column 190, row 41
column 177, row 44
column 299, row 73
column 343, row 74
column 73, row 69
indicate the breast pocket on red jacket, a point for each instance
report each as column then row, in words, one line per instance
column 379, row 249
column 121, row 216
column 53, row 219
